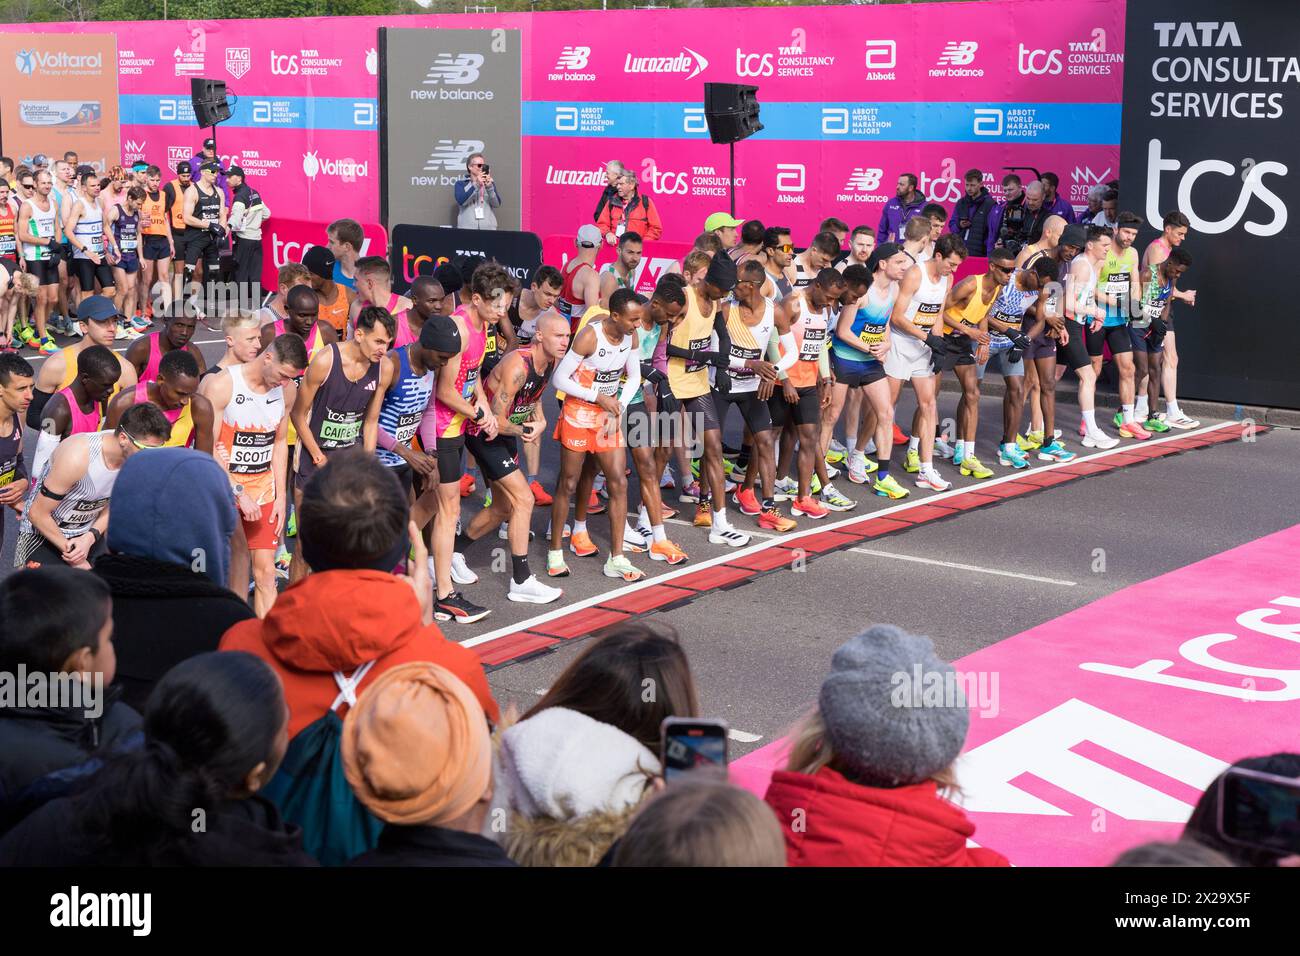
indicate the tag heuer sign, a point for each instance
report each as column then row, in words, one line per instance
column 238, row 61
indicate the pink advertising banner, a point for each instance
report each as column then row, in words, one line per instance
column 656, row 258
column 287, row 240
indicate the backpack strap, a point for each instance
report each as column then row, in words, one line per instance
column 348, row 685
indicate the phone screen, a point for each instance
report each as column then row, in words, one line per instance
column 1263, row 813
column 689, row 746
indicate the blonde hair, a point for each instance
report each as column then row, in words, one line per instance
column 292, row 273
column 810, row 751
column 701, row 820
column 239, row 320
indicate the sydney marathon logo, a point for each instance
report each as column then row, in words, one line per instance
column 688, row 63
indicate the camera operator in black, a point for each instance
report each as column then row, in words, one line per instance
column 205, row 214
column 1007, row 223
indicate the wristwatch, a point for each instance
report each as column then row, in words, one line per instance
column 239, row 490
column 479, row 414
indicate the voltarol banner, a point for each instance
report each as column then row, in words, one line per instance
column 417, row 250
column 1211, row 102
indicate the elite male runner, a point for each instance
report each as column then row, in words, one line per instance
column 175, row 392
column 1176, row 225
column 1119, row 291
column 1082, row 313
column 17, row 381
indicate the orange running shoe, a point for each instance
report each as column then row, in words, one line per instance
column 582, row 545
column 747, row 502
column 667, row 551
column 773, row 520
column 596, row 505
column 540, row 497
column 703, row 516
column 899, row 437
column 809, row 507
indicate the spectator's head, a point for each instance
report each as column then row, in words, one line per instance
column 916, row 229
column 153, row 178
column 703, row 821
column 1095, row 195
column 1203, row 824
column 1011, row 187
column 1185, row 852
column 235, row 177
column 778, row 247
column 1051, row 184
column 417, row 751
column 751, row 233
column 838, row 226
column 871, row 723
column 98, row 371
column 1176, row 225
column 1110, row 204
column 547, row 283
column 821, row 252
column 345, row 239
column 724, row 225
column 145, row 521
column 626, row 186
column 632, row 678
column 57, row 620
column 17, row 382
column 938, row 217
column 613, row 170
column 906, row 190
column 629, row 250
column 353, row 515
column 862, row 243
column 476, row 164
column 209, row 147
column 1034, row 196
column 974, row 182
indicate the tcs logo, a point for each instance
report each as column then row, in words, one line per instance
column 284, row 64
column 664, row 184
column 1252, row 185
column 753, row 64
column 1039, row 62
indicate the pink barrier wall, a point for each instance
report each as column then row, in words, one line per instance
column 287, row 240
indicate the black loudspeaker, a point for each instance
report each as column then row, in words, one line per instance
column 731, row 110
column 209, row 98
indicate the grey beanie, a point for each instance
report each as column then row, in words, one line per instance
column 872, row 706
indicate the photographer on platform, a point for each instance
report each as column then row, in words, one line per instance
column 477, row 196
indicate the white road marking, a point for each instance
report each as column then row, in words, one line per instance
column 962, row 567
column 740, row 737
column 730, row 554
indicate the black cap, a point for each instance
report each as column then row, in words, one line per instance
column 319, row 262
column 235, row 171
column 722, row 273
column 184, row 166
column 449, row 278
column 210, row 166
column 886, row 250
column 209, row 143
column 1074, row 235
column 440, row 334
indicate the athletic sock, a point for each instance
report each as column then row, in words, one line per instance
column 882, row 468
column 579, row 527
column 659, row 534
column 1142, row 411
column 769, row 503
column 643, row 518
column 531, row 477
column 519, row 568
column 851, row 444
column 1090, row 421
column 1172, row 410
column 743, row 458
column 1127, row 411
column 463, row 541
column 720, row 519
column 913, row 444
column 968, row 449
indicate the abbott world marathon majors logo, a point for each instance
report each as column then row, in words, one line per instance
column 446, row 163
column 792, row 59
column 58, row 63
column 571, row 66
column 449, row 77
column 688, row 63
column 1083, row 57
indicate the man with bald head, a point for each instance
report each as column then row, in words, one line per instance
column 1036, row 213
column 1053, row 226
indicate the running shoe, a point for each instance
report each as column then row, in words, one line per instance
column 125, row 331
column 832, row 472
column 567, row 531
column 959, row 454
column 729, row 536
column 899, row 437
column 1099, row 440
column 1030, row 441
column 666, row 512
column 533, row 591
column 503, row 532
column 667, row 481
column 731, row 471
column 695, row 468
column 291, row 531
column 729, row 452
column 581, row 545
column 888, row 487
column 943, row 449
column 861, row 468
column 835, row 501
column 460, row 572
column 598, row 487
column 785, row 489
column 594, row 505
column 555, row 566
column 815, row 486
column 633, row 541
column 47, row 346
column 1118, row 419
column 620, row 567
column 140, row 323
column 1154, row 424
column 540, row 496
column 703, row 515
column 835, row 457
column 912, row 463
column 667, row 551
column 282, row 561
column 773, row 520
column 837, row 447
column 808, row 508
column 455, row 607
column 27, row 335
column 690, row 494
column 972, row 467
column 1181, row 421
column 1009, row 456
column 1055, row 451
column 929, row 478
column 487, row 499
column 747, row 502
column 1134, row 430
column 467, row 485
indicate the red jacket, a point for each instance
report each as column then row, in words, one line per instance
column 642, row 218
column 845, row 824
column 336, row 621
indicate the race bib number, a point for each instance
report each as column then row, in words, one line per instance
column 96, row 243
column 926, row 314
column 811, row 347
column 129, row 243
column 83, row 515
column 7, row 472
column 606, row 381
column 1153, row 310
column 340, row 429
column 697, row 345
column 251, row 454
column 1117, row 283
column 872, row 335
column 407, row 426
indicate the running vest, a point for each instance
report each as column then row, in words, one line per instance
column 81, row 421
column 1010, row 307
column 781, row 284
column 182, row 420
column 1085, row 294
column 178, row 206
column 89, row 229
column 1155, row 294
column 1117, row 272
column 247, row 438
column 529, row 394
column 314, row 344
column 869, row 324
column 647, row 343
column 153, row 215
column 566, row 304
column 601, row 370
column 11, row 456
column 747, row 342
column 928, row 301
column 8, row 231
column 404, row 406
column 974, row 311
column 335, row 312
column 618, row 279
column 70, row 355
column 449, row 423
column 150, row 373
column 403, row 336
column 126, row 233
column 339, row 411
column 208, row 208
column 810, row 332
column 41, row 225
column 86, row 500
column 694, row 332
column 525, row 329
column 802, row 276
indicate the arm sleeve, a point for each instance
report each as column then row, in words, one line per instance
column 632, row 378
column 45, row 445
column 37, row 408
column 723, row 338
column 429, row 423
column 384, row 440
column 563, row 380
column 824, row 359
column 791, row 353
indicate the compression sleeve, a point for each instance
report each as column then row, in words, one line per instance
column 45, row 445
column 36, row 408
column 428, row 424
column 631, row 380
column 824, row 359
column 386, row 441
column 563, row 380
column 789, row 357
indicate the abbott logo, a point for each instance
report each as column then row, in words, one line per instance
column 835, row 120
column 458, row 70
column 693, row 120
column 363, row 113
column 1038, row 62
column 1252, row 184
column 790, row 177
column 452, row 154
column 566, row 119
column 881, row 54
column 573, row 58
column 261, row 111
column 988, row 122
column 958, row 53
column 864, row 180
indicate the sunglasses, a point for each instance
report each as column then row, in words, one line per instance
column 136, row 442
column 785, row 248
column 27, row 185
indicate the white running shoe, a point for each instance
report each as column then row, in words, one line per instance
column 460, row 572
column 533, row 591
column 728, row 536
column 1099, row 440
column 943, row 449
column 929, row 478
column 503, row 532
column 633, row 541
column 1181, row 422
column 837, row 447
column 785, row 489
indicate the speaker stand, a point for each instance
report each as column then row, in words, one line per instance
column 731, row 181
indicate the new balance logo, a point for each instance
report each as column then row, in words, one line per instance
column 864, row 180
column 454, row 70
column 452, row 154
column 958, row 53
column 573, row 58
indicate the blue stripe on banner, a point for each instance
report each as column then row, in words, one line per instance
column 1049, row 123
column 259, row 112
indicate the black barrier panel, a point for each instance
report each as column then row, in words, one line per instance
column 418, row 250
column 1211, row 125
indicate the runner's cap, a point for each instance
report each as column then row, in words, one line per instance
column 721, row 220
column 97, row 308
column 589, row 236
column 319, row 262
column 439, row 334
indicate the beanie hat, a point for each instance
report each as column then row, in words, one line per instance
column 416, row 747
column 880, row 724
column 722, row 273
column 319, row 262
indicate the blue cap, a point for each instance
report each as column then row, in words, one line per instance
column 97, row 308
